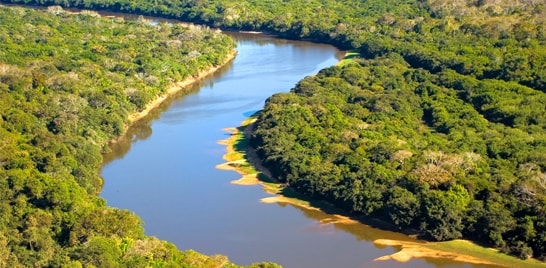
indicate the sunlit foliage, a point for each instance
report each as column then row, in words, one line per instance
column 67, row 85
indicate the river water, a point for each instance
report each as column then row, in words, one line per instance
column 164, row 171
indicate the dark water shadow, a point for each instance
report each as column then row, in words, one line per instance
column 142, row 129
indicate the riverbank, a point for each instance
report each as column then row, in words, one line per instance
column 241, row 158
column 177, row 87
column 172, row 90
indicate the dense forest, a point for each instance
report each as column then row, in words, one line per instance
column 442, row 155
column 486, row 39
column 439, row 127
column 67, row 85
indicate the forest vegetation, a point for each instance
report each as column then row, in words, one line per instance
column 68, row 83
column 439, row 127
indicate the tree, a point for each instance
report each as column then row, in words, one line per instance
column 401, row 206
column 443, row 213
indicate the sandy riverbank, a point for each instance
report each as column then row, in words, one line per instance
column 171, row 90
column 178, row 87
column 411, row 250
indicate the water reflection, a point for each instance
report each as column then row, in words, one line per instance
column 141, row 130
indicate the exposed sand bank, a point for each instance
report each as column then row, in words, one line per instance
column 252, row 32
column 411, row 250
column 245, row 163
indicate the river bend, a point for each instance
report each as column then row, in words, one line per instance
column 164, row 171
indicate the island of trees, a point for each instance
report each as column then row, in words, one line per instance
column 439, row 126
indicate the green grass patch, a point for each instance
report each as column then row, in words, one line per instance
column 465, row 247
column 350, row 56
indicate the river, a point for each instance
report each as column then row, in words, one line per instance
column 164, row 171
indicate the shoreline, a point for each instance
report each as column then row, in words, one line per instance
column 247, row 164
column 172, row 89
column 177, row 87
